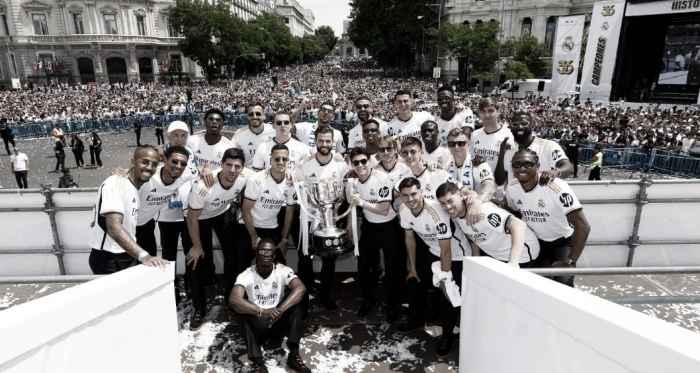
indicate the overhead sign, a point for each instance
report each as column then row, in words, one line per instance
column 660, row 7
column 16, row 83
column 436, row 73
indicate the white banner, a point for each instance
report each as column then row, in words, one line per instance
column 567, row 50
column 661, row 7
column 601, row 50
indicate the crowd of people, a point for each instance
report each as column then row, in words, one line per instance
column 408, row 177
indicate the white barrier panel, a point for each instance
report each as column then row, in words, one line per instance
column 515, row 321
column 125, row 322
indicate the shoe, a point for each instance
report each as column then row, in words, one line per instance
column 260, row 368
column 330, row 305
column 392, row 315
column 406, row 329
column 197, row 321
column 365, row 308
column 445, row 349
column 296, row 364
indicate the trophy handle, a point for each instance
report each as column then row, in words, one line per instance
column 297, row 186
column 344, row 214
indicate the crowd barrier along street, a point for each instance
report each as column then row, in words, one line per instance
column 634, row 223
column 99, row 326
column 514, row 321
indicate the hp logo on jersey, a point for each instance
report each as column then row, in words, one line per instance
column 566, row 199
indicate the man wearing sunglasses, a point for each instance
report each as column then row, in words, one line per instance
column 113, row 235
column 298, row 151
column 450, row 116
column 306, row 131
column 552, row 211
column 267, row 308
column 412, row 153
column 364, row 109
column 249, row 138
column 553, row 160
column 380, row 229
column 214, row 208
column 209, row 149
column 266, row 193
column 406, row 123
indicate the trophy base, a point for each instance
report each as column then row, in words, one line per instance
column 328, row 244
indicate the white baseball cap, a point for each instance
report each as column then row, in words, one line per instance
column 178, row 125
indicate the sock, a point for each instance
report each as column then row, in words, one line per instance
column 293, row 349
column 257, row 360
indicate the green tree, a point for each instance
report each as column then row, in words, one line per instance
column 529, row 51
column 517, row 70
column 390, row 30
column 327, row 36
column 272, row 37
column 212, row 35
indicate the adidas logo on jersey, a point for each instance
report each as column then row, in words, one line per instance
column 267, row 191
column 520, row 203
column 154, row 190
column 250, row 143
column 256, row 287
column 216, row 199
column 199, row 152
column 477, row 142
column 411, row 223
column 313, row 175
column 134, row 201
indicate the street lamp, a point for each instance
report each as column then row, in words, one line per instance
column 437, row 53
column 422, row 47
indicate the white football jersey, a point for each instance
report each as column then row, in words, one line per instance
column 544, row 209
column 216, row 200
column 432, row 225
column 267, row 292
column 269, row 196
column 176, row 209
column 116, row 195
column 429, row 182
column 297, row 153
column 468, row 176
column 493, row 237
column 549, row 153
column 377, row 188
column 355, row 139
column 310, row 169
column 464, row 118
column 489, row 144
column 400, row 129
column 155, row 193
column 209, row 154
column 248, row 141
column 306, row 133
column 441, row 156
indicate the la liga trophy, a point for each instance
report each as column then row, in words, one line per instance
column 329, row 240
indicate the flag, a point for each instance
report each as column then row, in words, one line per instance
column 63, row 63
column 41, row 64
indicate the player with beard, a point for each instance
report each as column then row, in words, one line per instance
column 487, row 140
column 450, row 117
column 364, row 108
column 552, row 211
column 370, row 134
column 434, row 150
column 319, row 166
column 306, row 132
column 249, row 138
column 553, row 160
column 406, row 123
column 113, row 236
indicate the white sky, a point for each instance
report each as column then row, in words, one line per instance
column 329, row 12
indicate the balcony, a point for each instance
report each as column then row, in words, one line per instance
column 101, row 38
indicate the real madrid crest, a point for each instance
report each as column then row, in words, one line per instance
column 568, row 44
column 274, row 285
column 427, row 187
column 540, row 203
column 605, row 26
column 218, row 155
column 427, row 227
column 371, row 192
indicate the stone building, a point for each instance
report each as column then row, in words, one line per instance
column 301, row 21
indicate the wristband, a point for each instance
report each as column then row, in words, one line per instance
column 260, row 311
column 362, row 203
column 143, row 255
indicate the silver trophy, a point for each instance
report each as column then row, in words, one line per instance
column 328, row 239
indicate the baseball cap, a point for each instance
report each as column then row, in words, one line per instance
column 178, row 125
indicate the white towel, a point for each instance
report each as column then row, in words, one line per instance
column 352, row 183
column 450, row 285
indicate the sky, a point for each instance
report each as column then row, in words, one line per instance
column 329, row 12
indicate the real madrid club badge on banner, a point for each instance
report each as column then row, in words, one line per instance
column 566, row 58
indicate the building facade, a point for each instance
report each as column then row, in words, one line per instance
column 64, row 41
column 517, row 17
column 345, row 47
column 301, row 21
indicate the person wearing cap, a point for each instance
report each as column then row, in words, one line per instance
column 70, row 182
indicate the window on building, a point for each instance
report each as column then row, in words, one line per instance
column 78, row 21
column 13, row 65
column 5, row 26
column 550, row 31
column 174, row 33
column 526, row 27
column 111, row 24
column 40, row 25
column 286, row 20
column 140, row 25
column 176, row 63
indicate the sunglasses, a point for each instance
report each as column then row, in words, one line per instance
column 282, row 122
column 411, row 152
column 147, row 162
column 459, row 144
column 280, row 159
column 255, row 114
column 365, row 106
column 386, row 150
column 370, row 130
column 519, row 124
column 216, row 120
column 325, row 110
column 175, row 162
column 445, row 99
column 527, row 164
column 359, row 162
column 266, row 252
